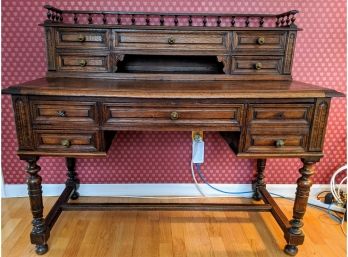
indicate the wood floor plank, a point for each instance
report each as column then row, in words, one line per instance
column 167, row 234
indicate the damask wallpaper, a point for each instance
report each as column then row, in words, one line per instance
column 164, row 157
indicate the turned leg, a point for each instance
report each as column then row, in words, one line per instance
column 304, row 184
column 72, row 177
column 40, row 233
column 259, row 181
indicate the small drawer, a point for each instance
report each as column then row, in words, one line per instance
column 82, row 38
column 67, row 141
column 172, row 40
column 257, row 64
column 259, row 41
column 159, row 116
column 83, row 62
column 276, row 139
column 300, row 114
column 63, row 113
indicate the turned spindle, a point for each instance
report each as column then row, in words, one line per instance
column 176, row 21
column 90, row 19
column 282, row 21
column 233, row 21
column 293, row 18
column 288, row 20
column 75, row 18
column 161, row 20
column 204, row 21
column 118, row 19
column 49, row 14
column 277, row 22
column 190, row 20
column 261, row 22
column 104, row 18
column 147, row 20
column 218, row 21
column 247, row 22
column 133, row 19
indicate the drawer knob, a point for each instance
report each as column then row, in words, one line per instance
column 174, row 115
column 61, row 113
column 66, row 143
column 171, row 40
column 83, row 63
column 279, row 143
column 280, row 115
column 81, row 38
column 258, row 66
column 261, row 40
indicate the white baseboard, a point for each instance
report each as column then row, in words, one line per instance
column 160, row 190
column 171, row 190
column 112, row 190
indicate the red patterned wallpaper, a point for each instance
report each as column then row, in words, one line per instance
column 164, row 157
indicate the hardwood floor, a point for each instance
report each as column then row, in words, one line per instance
column 174, row 234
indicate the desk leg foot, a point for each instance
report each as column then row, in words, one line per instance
column 259, row 181
column 291, row 250
column 40, row 232
column 72, row 177
column 41, row 249
column 294, row 235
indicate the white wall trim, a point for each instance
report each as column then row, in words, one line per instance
column 287, row 190
column 171, row 190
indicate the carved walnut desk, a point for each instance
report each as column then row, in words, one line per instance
column 111, row 71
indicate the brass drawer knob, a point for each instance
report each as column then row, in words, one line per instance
column 174, row 115
column 81, row 38
column 61, row 113
column 258, row 66
column 261, row 40
column 279, row 143
column 66, row 143
column 171, row 40
column 83, row 63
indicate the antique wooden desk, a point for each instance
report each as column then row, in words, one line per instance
column 112, row 71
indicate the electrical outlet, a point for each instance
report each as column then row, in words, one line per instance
column 197, row 147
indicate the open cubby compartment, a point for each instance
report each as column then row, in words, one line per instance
column 169, row 64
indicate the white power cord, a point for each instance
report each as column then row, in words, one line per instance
column 195, row 180
column 336, row 194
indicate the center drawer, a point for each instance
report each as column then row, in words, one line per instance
column 171, row 40
column 155, row 117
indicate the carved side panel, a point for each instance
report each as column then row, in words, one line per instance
column 23, row 122
column 226, row 61
column 319, row 124
column 289, row 52
column 51, row 50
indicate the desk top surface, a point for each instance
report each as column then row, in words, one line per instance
column 170, row 89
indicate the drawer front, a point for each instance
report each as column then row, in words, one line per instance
column 300, row 114
column 257, row 65
column 82, row 38
column 67, row 141
column 83, row 62
column 64, row 113
column 277, row 139
column 259, row 41
column 158, row 116
column 172, row 40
